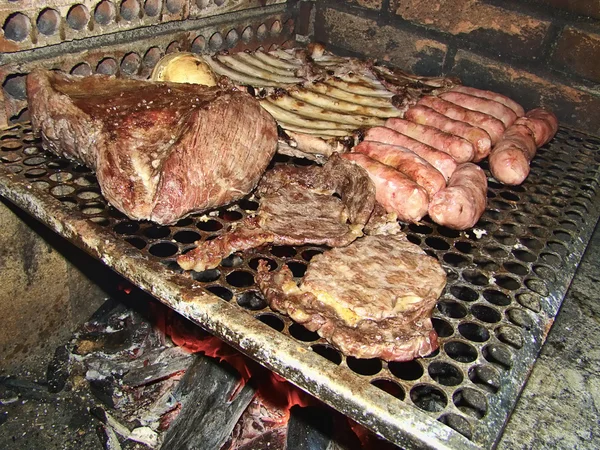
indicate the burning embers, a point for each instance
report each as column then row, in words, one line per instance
column 158, row 381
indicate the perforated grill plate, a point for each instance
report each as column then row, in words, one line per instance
column 507, row 278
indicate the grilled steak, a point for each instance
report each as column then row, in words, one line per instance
column 371, row 299
column 327, row 205
column 160, row 150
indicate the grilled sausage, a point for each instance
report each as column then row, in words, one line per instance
column 542, row 123
column 395, row 191
column 494, row 127
column 461, row 204
column 484, row 105
column 480, row 139
column 440, row 160
column 510, row 158
column 460, row 149
column 407, row 162
column 506, row 101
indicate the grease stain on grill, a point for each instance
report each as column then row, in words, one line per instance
column 272, row 320
column 445, row 373
column 520, row 318
column 407, row 370
column 538, row 286
column 206, row 276
column 390, row 387
column 530, row 301
column 457, row 423
column 428, row 398
column 460, row 351
column 35, row 173
column 498, row 354
column 454, row 310
column 302, row 334
column 473, row 332
column 240, row 278
column 327, row 352
column 471, row 402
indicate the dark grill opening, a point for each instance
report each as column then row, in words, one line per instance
column 507, row 276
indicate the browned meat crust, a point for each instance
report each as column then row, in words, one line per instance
column 327, row 205
column 371, row 299
column 160, row 150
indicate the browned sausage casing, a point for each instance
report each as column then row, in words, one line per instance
column 407, row 162
column 440, row 160
column 506, row 101
column 510, row 158
column 393, row 190
column 542, row 123
column 460, row 149
column 461, row 204
column 494, row 127
column 482, row 143
column 484, row 105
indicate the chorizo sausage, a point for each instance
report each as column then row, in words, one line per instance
column 440, row 160
column 494, row 127
column 506, row 101
column 393, row 190
column 542, row 123
column 482, row 143
column 461, row 204
column 460, row 149
column 407, row 162
column 510, row 158
column 484, row 105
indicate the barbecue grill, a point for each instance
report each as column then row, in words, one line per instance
column 506, row 277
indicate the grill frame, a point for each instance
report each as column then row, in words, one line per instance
column 351, row 393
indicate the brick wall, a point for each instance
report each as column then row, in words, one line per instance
column 539, row 52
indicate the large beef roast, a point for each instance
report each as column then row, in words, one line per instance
column 327, row 205
column 160, row 150
column 371, row 299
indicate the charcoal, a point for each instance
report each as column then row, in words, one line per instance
column 3, row 417
column 58, row 370
column 309, row 428
column 108, row 438
column 272, row 439
column 24, row 389
column 158, row 366
column 105, row 390
column 208, row 415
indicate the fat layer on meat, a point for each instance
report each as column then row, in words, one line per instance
column 370, row 299
column 327, row 205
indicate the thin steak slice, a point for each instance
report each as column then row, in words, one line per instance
column 371, row 299
column 327, row 205
column 160, row 150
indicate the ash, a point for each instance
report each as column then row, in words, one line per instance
column 123, row 382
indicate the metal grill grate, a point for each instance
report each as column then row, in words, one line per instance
column 507, row 278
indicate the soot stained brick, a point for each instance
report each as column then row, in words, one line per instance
column 504, row 32
column 578, row 51
column 403, row 49
column 587, row 8
column 574, row 107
